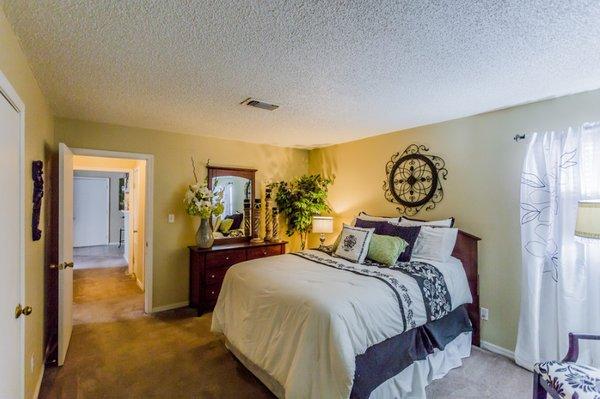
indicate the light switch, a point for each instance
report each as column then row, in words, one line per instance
column 171, row 218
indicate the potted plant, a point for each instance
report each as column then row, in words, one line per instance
column 299, row 200
column 201, row 201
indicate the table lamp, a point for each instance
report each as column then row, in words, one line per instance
column 588, row 220
column 322, row 225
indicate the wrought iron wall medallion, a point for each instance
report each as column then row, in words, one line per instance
column 414, row 179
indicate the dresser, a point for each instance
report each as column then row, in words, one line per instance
column 208, row 268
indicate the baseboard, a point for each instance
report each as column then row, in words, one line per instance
column 498, row 350
column 170, row 307
column 38, row 385
column 139, row 284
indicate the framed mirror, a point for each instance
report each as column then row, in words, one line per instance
column 239, row 191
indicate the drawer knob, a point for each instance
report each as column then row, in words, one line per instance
column 212, row 276
column 264, row 252
column 227, row 258
column 212, row 293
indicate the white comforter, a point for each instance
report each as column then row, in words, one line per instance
column 304, row 323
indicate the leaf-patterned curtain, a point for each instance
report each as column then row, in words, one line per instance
column 560, row 275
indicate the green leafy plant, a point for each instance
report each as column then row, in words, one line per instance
column 299, row 200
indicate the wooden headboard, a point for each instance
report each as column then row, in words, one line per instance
column 465, row 250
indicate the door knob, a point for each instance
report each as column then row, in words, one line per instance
column 19, row 310
column 61, row 266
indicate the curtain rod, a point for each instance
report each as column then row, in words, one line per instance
column 519, row 137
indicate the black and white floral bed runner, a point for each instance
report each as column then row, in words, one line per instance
column 433, row 288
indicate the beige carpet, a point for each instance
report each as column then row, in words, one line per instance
column 118, row 352
column 99, row 256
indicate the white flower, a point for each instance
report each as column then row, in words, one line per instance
column 189, row 195
column 201, row 201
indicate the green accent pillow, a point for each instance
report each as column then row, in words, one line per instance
column 225, row 225
column 386, row 249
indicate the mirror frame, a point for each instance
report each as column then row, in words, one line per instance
column 250, row 174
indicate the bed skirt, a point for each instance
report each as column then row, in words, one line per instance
column 402, row 366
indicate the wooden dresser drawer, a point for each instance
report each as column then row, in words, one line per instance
column 212, row 293
column 225, row 258
column 215, row 276
column 261, row 252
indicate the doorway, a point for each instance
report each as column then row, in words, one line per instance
column 105, row 230
column 108, row 238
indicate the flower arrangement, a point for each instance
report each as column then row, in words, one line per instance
column 201, row 201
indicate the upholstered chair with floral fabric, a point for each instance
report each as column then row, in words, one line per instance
column 567, row 379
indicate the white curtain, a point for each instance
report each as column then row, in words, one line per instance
column 560, row 289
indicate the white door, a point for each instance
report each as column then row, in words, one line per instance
column 11, row 236
column 65, row 250
column 91, row 211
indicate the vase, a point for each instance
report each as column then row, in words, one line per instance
column 204, row 235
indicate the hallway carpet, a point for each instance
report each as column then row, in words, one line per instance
column 117, row 352
column 99, row 256
column 105, row 295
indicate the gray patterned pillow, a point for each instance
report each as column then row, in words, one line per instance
column 354, row 243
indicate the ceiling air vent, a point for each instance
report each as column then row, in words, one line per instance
column 259, row 104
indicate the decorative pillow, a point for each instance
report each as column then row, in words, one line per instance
column 435, row 244
column 385, row 249
column 404, row 221
column 407, row 233
column 379, row 226
column 365, row 216
column 354, row 243
column 225, row 225
column 237, row 220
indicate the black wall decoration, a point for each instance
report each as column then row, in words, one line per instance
column 37, row 170
column 414, row 180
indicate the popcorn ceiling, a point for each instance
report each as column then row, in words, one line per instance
column 339, row 70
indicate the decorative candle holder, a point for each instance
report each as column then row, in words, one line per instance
column 247, row 218
column 268, row 217
column 256, row 222
column 275, row 237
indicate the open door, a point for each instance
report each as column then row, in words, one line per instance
column 65, row 250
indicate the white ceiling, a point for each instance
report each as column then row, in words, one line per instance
column 340, row 70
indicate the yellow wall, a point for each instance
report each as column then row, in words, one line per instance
column 482, row 190
column 39, row 143
column 84, row 162
column 172, row 174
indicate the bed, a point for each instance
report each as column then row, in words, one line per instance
column 311, row 325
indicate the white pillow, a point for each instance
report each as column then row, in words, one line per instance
column 435, row 244
column 370, row 218
column 404, row 221
column 354, row 243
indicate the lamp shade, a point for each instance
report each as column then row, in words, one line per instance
column 322, row 224
column 588, row 219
